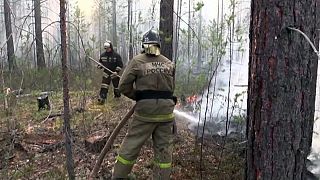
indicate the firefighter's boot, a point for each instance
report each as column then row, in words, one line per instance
column 121, row 171
column 103, row 96
column 161, row 173
column 101, row 101
column 117, row 93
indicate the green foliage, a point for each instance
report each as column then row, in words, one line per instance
column 57, row 173
column 239, row 119
column 195, row 85
column 198, row 6
column 215, row 39
column 183, row 31
column 24, row 172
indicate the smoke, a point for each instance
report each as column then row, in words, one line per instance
column 315, row 148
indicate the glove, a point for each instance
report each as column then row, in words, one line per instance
column 118, row 69
column 114, row 75
column 175, row 99
column 99, row 67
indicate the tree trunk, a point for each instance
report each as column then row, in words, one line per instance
column 166, row 27
column 65, row 76
column 199, row 42
column 99, row 24
column 189, row 39
column 114, row 24
column 130, row 29
column 282, row 87
column 69, row 35
column 9, row 35
column 166, row 33
column 39, row 43
column 176, row 32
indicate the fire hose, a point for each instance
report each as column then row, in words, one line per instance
column 110, row 141
column 101, row 65
column 113, row 135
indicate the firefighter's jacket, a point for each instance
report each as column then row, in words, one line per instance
column 149, row 80
column 112, row 61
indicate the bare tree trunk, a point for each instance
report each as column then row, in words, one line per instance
column 282, row 88
column 114, row 24
column 177, row 34
column 9, row 36
column 69, row 34
column 39, row 43
column 123, row 47
column 166, row 33
column 166, row 27
column 99, row 22
column 189, row 39
column 130, row 29
column 199, row 41
column 65, row 76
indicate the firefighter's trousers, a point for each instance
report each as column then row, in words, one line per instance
column 138, row 133
column 106, row 81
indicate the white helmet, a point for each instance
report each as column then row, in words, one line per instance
column 107, row 44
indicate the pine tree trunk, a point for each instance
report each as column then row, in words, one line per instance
column 199, row 42
column 39, row 43
column 166, row 27
column 65, row 76
column 189, row 42
column 69, row 35
column 114, row 24
column 282, row 88
column 99, row 24
column 9, row 35
column 130, row 29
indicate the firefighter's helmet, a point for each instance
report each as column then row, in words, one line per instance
column 107, row 44
column 151, row 37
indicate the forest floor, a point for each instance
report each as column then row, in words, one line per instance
column 32, row 143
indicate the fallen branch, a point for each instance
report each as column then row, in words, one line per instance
column 27, row 95
column 77, row 110
column 99, row 115
column 51, row 116
column 110, row 141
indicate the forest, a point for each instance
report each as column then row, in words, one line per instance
column 239, row 81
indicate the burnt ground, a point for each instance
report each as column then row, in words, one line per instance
column 32, row 143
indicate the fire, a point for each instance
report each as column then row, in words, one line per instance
column 192, row 99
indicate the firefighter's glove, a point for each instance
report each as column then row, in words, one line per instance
column 118, row 69
column 99, row 67
column 175, row 99
column 114, row 75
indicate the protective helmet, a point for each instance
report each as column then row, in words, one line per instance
column 151, row 37
column 107, row 44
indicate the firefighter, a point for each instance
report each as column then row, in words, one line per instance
column 148, row 79
column 111, row 60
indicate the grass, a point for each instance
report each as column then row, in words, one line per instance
column 25, row 116
column 51, row 165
